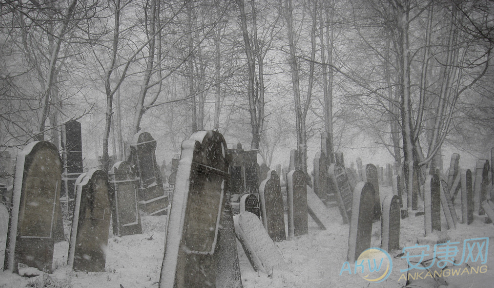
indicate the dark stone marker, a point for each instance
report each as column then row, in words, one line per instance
column 250, row 203
column 484, row 185
column 477, row 186
column 339, row 159
column 4, row 228
column 297, row 204
column 321, row 176
column 294, row 162
column 453, row 172
column 36, row 214
column 360, row 170
column 390, row 223
column 151, row 193
column 126, row 219
column 327, row 147
column 195, row 214
column 236, row 180
column 91, row 223
column 272, row 207
column 244, row 171
column 173, row 173
column 372, row 178
column 466, row 197
column 343, row 191
column 432, row 204
column 448, row 206
column 361, row 224
column 72, row 162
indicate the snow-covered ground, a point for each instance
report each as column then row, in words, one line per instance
column 313, row 260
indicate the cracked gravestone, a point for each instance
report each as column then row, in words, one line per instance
column 297, row 203
column 272, row 208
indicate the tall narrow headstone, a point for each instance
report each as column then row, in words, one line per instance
column 372, row 177
column 126, row 219
column 339, row 159
column 390, row 223
column 432, row 204
column 448, row 207
column 293, row 160
column 466, row 197
column 361, row 224
column 477, row 185
column 250, row 203
column 194, row 217
column 72, row 163
column 272, row 207
column 91, row 223
column 321, row 175
column 484, row 185
column 36, row 212
column 297, row 203
column 152, row 198
column 454, row 169
column 343, row 191
column 4, row 228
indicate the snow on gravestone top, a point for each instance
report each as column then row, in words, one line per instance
column 36, row 213
column 126, row 220
column 4, row 225
column 390, row 223
column 272, row 209
column 250, row 203
column 361, row 225
column 91, row 223
column 372, row 177
column 466, row 197
column 297, row 203
column 194, row 216
column 259, row 247
column 343, row 191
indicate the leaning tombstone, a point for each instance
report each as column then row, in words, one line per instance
column 297, row 204
column 260, row 249
column 361, row 225
column 152, row 198
column 448, row 206
column 318, row 211
column 250, row 203
column 91, row 223
column 371, row 173
column 126, row 219
column 466, row 197
column 272, row 209
column 390, row 223
column 4, row 228
column 453, row 172
column 195, row 214
column 343, row 191
column 36, row 213
column 477, row 186
column 432, row 204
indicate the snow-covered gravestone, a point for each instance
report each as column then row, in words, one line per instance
column 343, row 191
column 72, row 162
column 36, row 213
column 4, row 227
column 297, row 203
column 126, row 219
column 258, row 246
column 321, row 175
column 432, row 204
column 151, row 193
column 361, row 223
column 272, row 209
column 390, row 223
column 373, row 178
column 250, row 203
column 194, row 217
column 91, row 223
column 466, row 197
column 448, row 206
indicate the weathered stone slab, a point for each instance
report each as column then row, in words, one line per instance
column 236, row 180
column 466, row 197
column 343, row 191
column 321, row 175
column 250, row 203
column 361, row 224
column 272, row 209
column 448, row 206
column 477, row 188
column 297, row 203
column 260, row 249
column 126, row 218
column 432, row 204
column 72, row 163
column 244, row 171
column 390, row 223
column 36, row 212
column 4, row 227
column 194, row 217
column 91, row 223
column 317, row 210
column 453, row 172
column 372, row 177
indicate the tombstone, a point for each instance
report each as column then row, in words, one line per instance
column 453, row 172
column 173, row 173
column 390, row 223
column 195, row 215
column 250, row 203
column 339, row 159
column 263, row 171
column 244, row 171
column 4, row 227
column 321, row 175
column 432, row 204
column 152, row 198
column 360, row 170
column 36, row 217
column 372, row 178
column 448, row 206
column 343, row 191
column 125, row 210
column 466, row 197
column 318, row 211
column 477, row 186
column 260, row 249
column 484, row 185
column 72, row 163
column 361, row 225
column 488, row 207
column 297, row 204
column 91, row 223
column 272, row 207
